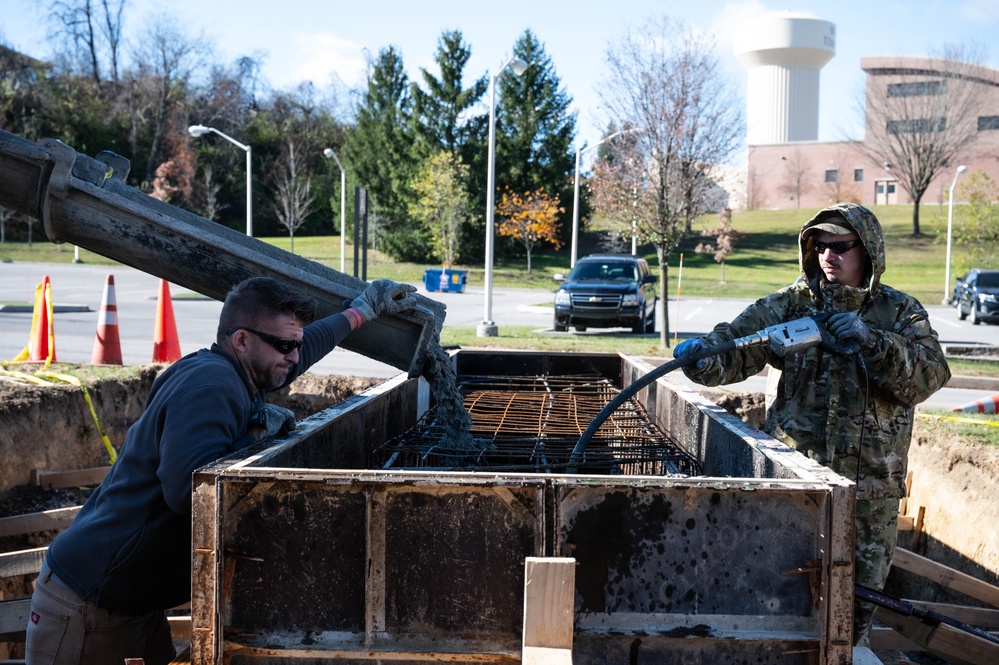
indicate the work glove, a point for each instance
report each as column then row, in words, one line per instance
column 687, row 348
column 847, row 326
column 383, row 296
column 267, row 420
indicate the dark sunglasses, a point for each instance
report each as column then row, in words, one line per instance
column 283, row 345
column 837, row 247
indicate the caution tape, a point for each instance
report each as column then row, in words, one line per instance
column 989, row 423
column 38, row 378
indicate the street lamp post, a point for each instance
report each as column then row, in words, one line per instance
column 328, row 152
column 488, row 328
column 575, row 192
column 950, row 222
column 201, row 130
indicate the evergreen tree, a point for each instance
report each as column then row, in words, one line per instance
column 535, row 129
column 380, row 154
column 439, row 110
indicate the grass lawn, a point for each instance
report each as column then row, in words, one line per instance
column 764, row 262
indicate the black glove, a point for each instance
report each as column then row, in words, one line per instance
column 383, row 296
column 847, row 326
column 689, row 347
column 267, row 420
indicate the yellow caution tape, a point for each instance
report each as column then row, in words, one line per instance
column 990, row 423
column 39, row 377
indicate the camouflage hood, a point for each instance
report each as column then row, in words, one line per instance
column 867, row 227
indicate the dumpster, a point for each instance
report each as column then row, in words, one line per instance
column 448, row 281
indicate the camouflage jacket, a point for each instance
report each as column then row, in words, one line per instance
column 852, row 413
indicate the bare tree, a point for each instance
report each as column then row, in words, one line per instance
column 92, row 30
column 922, row 125
column 293, row 189
column 796, row 180
column 665, row 86
column 5, row 216
column 159, row 86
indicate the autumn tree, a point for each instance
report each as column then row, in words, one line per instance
column 920, row 128
column 529, row 218
column 665, row 85
column 725, row 239
column 292, row 185
column 442, row 204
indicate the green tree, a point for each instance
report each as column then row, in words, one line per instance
column 440, row 112
column 442, row 203
column 978, row 232
column 380, row 153
column 535, row 129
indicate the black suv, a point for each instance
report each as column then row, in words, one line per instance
column 979, row 296
column 607, row 291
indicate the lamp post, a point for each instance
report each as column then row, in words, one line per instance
column 329, row 154
column 575, row 193
column 201, row 130
column 950, row 222
column 488, row 328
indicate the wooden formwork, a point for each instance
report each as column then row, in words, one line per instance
column 302, row 553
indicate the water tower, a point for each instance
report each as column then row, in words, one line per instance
column 784, row 53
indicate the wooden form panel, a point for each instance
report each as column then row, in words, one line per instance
column 758, row 565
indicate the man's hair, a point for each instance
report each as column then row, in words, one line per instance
column 259, row 299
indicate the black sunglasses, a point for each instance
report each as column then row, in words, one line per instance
column 837, row 247
column 283, row 345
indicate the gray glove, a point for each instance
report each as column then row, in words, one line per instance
column 383, row 296
column 266, row 420
column 689, row 347
column 847, row 326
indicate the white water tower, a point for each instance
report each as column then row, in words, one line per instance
column 784, row 53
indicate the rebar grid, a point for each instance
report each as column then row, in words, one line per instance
column 531, row 424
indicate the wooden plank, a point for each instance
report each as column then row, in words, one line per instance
column 979, row 617
column 943, row 640
column 549, row 597
column 948, row 577
column 905, row 522
column 14, row 619
column 23, row 562
column 77, row 478
column 885, row 638
column 48, row 520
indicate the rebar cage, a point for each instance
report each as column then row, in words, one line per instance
column 531, row 424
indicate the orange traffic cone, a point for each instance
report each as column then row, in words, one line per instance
column 107, row 344
column 988, row 405
column 41, row 345
column 166, row 345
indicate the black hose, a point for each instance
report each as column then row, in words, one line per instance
column 627, row 393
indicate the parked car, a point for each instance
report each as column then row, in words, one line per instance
column 607, row 291
column 959, row 285
column 979, row 298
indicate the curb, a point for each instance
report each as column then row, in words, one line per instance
column 56, row 309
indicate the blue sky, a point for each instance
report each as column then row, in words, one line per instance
column 318, row 39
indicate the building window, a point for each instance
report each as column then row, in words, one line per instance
column 831, row 175
column 858, row 175
column 917, row 126
column 916, row 89
column 988, row 122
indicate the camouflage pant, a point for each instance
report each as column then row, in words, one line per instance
column 877, row 533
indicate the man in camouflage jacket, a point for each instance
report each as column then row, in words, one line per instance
column 851, row 412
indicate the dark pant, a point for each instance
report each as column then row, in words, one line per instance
column 64, row 629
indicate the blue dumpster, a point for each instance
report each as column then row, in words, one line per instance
column 448, row 281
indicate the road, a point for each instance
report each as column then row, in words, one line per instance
column 79, row 289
